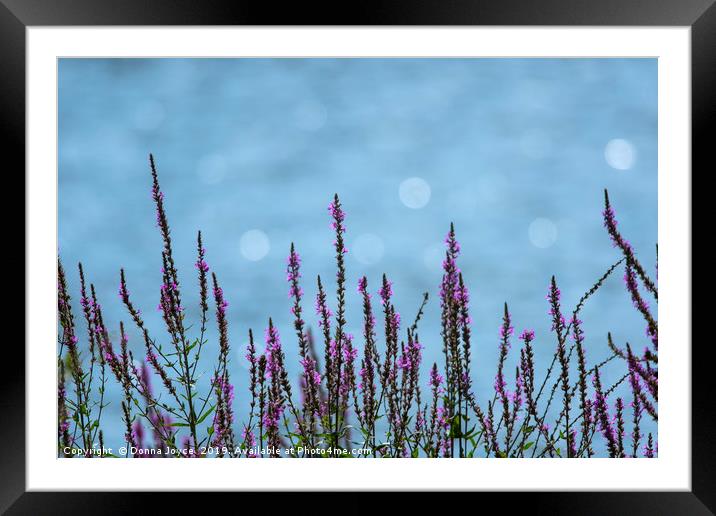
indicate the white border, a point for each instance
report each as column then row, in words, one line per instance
column 670, row 471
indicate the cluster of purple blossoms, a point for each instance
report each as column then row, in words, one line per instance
column 386, row 292
column 273, row 415
column 310, row 372
column 323, row 310
column 167, row 294
column 273, row 352
column 506, row 331
column 527, row 335
column 553, row 296
column 201, row 264
column 436, row 380
column 462, row 299
column 122, row 292
column 221, row 303
column 363, row 286
column 450, row 282
column 293, row 274
column 602, row 413
column 337, row 214
column 349, row 354
column 249, row 440
column 223, row 417
column 411, row 357
column 610, row 222
column 517, row 395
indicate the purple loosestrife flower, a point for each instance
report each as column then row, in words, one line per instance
column 519, row 388
column 602, row 413
column 610, row 222
column 578, row 336
column 572, row 452
column 338, row 216
column 253, row 370
column 162, row 223
column 370, row 361
column 649, row 379
column 63, row 424
column 449, row 283
column 385, row 291
column 462, row 299
column 310, row 387
column 450, row 315
column 203, row 268
column 506, row 331
column 348, row 373
column 652, row 329
column 553, row 296
column 649, row 448
column 87, row 305
column 619, row 418
column 221, row 306
column 133, row 312
column 436, row 379
column 293, row 274
column 389, row 374
column 637, row 394
column 322, row 308
column 273, row 351
column 223, row 417
column 279, row 389
column 411, row 356
column 527, row 365
column 558, row 326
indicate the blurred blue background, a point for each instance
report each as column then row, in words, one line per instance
column 516, row 152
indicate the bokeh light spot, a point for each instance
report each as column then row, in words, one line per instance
column 414, row 193
column 254, row 245
column 620, row 154
column 542, row 233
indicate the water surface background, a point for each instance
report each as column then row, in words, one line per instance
column 515, row 152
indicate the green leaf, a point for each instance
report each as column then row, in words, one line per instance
column 527, row 446
column 204, row 416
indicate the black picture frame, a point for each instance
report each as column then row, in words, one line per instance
column 700, row 15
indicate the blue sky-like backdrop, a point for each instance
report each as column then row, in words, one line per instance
column 515, row 152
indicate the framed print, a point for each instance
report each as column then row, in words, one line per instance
column 432, row 242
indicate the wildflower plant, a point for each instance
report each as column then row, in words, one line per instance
column 373, row 393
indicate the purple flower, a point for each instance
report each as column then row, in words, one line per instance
column 293, row 274
column 527, row 335
column 363, row 286
column 436, row 379
column 338, row 215
column 273, row 352
column 221, row 303
column 386, row 292
column 202, row 266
